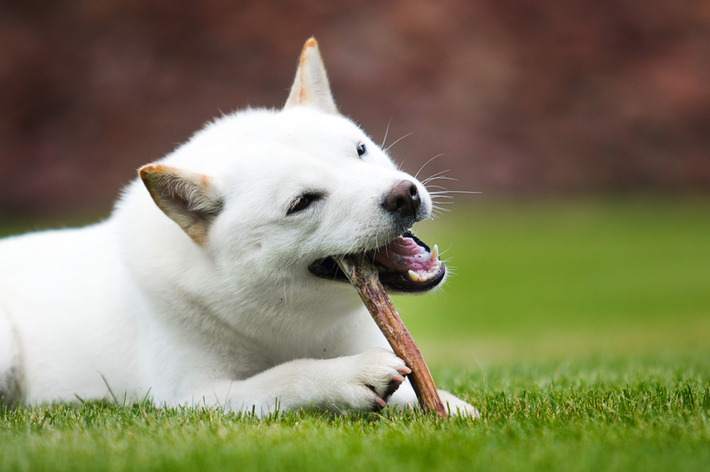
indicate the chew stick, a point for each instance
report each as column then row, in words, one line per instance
column 366, row 281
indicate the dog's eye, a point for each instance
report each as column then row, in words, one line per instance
column 303, row 202
column 361, row 150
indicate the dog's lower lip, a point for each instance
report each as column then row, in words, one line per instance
column 405, row 264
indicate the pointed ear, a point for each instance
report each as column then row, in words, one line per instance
column 311, row 85
column 189, row 199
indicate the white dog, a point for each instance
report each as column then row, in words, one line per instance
column 212, row 283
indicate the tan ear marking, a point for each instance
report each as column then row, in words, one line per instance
column 311, row 86
column 188, row 198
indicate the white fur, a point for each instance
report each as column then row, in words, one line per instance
column 134, row 304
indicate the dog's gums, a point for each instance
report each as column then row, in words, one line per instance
column 405, row 265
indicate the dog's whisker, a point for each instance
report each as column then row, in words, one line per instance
column 428, row 181
column 405, row 136
column 431, row 179
column 387, row 130
column 440, row 209
column 425, row 164
column 439, row 177
column 436, row 175
column 444, row 252
column 452, row 191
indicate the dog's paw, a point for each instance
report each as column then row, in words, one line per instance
column 457, row 407
column 375, row 375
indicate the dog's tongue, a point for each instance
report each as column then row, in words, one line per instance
column 409, row 256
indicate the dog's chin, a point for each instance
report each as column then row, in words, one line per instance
column 405, row 265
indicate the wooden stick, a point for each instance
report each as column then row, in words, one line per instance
column 365, row 278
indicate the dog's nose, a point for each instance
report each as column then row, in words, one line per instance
column 403, row 199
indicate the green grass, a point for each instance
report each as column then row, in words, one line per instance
column 593, row 276
column 592, row 415
column 581, row 330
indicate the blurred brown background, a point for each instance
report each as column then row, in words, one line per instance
column 550, row 97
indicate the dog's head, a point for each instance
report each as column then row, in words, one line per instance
column 277, row 195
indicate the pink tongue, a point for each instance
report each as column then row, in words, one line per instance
column 402, row 255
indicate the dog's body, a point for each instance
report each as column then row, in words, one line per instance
column 208, row 283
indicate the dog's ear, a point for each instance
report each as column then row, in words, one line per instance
column 311, row 85
column 188, row 198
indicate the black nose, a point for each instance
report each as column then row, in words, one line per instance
column 403, row 199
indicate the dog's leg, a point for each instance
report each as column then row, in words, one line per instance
column 456, row 406
column 405, row 397
column 10, row 362
column 353, row 383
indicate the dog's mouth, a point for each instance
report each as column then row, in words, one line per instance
column 405, row 264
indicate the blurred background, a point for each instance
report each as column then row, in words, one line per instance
column 523, row 97
column 584, row 123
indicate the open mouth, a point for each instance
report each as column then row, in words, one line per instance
column 405, row 264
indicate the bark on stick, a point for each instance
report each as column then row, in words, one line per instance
column 365, row 278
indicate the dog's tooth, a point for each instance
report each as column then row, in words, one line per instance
column 434, row 253
column 413, row 276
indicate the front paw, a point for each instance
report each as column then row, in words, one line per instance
column 375, row 375
column 457, row 407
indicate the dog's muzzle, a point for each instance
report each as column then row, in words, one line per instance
column 405, row 265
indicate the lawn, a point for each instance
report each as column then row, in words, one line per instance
column 580, row 329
